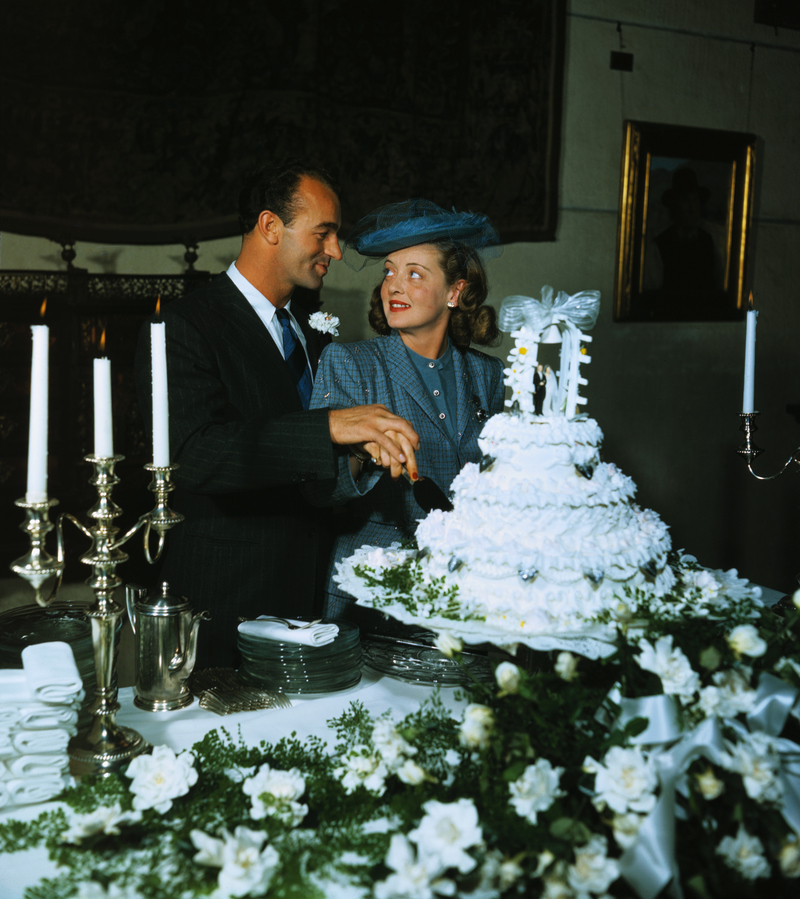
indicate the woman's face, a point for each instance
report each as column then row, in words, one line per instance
column 414, row 292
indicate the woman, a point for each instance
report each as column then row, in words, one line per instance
column 427, row 309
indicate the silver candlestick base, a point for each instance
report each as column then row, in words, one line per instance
column 104, row 746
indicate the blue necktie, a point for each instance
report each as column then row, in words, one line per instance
column 296, row 359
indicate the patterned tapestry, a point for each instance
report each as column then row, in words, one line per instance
column 134, row 123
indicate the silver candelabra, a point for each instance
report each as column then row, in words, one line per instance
column 104, row 746
column 751, row 452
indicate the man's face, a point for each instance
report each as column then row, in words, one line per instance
column 310, row 242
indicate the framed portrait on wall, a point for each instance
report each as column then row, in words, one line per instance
column 685, row 209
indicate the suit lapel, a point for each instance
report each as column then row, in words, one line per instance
column 255, row 341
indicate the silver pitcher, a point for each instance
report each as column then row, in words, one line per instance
column 166, row 646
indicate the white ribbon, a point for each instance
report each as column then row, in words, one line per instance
column 650, row 864
column 581, row 309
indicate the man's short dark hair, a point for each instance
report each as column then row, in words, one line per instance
column 273, row 185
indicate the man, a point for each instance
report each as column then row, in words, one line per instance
column 240, row 372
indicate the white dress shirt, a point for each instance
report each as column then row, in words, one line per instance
column 266, row 310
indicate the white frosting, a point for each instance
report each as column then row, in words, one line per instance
column 545, row 538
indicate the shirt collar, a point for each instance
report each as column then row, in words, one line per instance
column 253, row 295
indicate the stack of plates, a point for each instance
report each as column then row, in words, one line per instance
column 411, row 656
column 299, row 668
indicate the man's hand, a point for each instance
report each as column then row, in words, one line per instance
column 389, row 439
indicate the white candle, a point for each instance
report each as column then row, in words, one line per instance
column 158, row 353
column 749, row 362
column 37, row 432
column 103, row 422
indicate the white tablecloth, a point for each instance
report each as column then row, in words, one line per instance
column 182, row 728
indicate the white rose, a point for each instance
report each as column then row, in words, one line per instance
column 744, row 640
column 448, row 645
column 477, row 726
column 796, row 598
column 567, row 666
column 507, row 676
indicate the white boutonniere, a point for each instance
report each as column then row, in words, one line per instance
column 325, row 323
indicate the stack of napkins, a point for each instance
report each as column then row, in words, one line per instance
column 287, row 630
column 39, row 707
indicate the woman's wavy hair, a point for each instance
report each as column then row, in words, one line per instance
column 471, row 321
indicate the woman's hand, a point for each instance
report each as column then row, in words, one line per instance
column 388, row 439
column 382, row 458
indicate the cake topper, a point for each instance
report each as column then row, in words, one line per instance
column 563, row 319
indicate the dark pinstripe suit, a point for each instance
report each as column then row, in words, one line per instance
column 244, row 444
column 380, row 371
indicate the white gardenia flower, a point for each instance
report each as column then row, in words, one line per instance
column 789, row 857
column 106, row 819
column 744, row 640
column 507, row 676
column 247, row 865
column 447, row 831
column 161, row 777
column 362, row 769
column 275, row 792
column 709, row 784
column 536, row 789
column 756, row 758
column 625, row 781
column 626, row 828
column 671, row 665
column 324, row 322
column 412, row 773
column 477, row 726
column 391, row 745
column 447, row 644
column 593, row 871
column 567, row 666
column 732, row 694
column 745, row 854
column 413, row 878
column 705, row 582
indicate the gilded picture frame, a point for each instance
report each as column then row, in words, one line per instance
column 685, row 213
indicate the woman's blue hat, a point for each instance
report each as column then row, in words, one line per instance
column 416, row 221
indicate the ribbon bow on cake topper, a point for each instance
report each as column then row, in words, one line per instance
column 580, row 309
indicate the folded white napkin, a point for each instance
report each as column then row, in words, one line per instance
column 278, row 629
column 43, row 717
column 42, row 765
column 28, row 742
column 14, row 687
column 35, row 789
column 51, row 671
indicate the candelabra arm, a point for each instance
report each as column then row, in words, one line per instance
column 795, row 457
column 751, row 452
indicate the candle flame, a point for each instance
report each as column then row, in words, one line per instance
column 103, row 343
column 42, row 308
column 158, row 307
column 750, row 301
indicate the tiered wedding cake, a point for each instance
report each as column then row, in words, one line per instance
column 544, row 545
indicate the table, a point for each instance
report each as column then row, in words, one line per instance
column 184, row 727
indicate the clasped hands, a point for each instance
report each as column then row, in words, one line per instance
column 388, row 439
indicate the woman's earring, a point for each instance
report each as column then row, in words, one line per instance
column 452, row 304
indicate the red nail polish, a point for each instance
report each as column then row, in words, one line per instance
column 414, row 476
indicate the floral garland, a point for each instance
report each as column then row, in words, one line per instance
column 563, row 780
